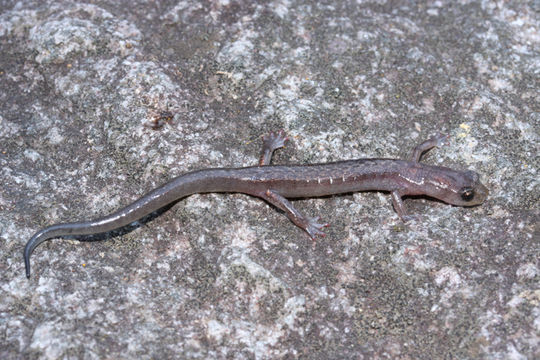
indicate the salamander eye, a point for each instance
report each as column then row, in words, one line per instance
column 467, row 194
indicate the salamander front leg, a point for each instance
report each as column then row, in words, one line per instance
column 271, row 142
column 397, row 202
column 310, row 225
column 435, row 141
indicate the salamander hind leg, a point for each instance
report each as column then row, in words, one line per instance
column 435, row 141
column 271, row 142
column 309, row 224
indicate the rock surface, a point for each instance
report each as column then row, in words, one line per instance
column 102, row 101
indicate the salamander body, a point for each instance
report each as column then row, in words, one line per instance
column 276, row 184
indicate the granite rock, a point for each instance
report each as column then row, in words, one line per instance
column 102, row 101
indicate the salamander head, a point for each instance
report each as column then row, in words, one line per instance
column 461, row 188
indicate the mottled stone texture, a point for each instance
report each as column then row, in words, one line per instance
column 101, row 101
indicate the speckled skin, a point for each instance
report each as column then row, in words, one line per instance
column 277, row 183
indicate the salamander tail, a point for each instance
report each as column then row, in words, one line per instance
column 38, row 238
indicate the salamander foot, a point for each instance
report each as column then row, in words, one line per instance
column 271, row 142
column 313, row 227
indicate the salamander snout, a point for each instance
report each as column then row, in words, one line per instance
column 469, row 191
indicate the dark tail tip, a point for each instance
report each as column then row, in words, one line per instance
column 27, row 261
column 38, row 238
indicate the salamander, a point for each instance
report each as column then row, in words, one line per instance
column 278, row 183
